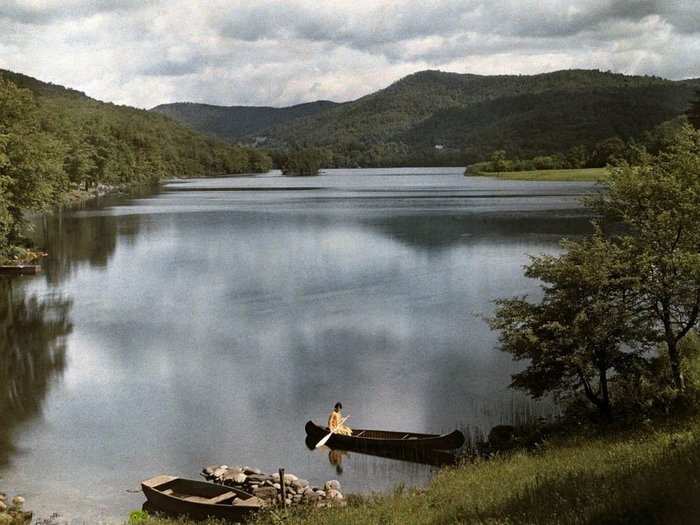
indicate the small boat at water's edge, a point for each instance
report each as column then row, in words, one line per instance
column 433, row 457
column 384, row 439
column 198, row 499
column 21, row 269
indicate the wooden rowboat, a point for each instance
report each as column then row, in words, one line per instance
column 198, row 499
column 22, row 269
column 362, row 439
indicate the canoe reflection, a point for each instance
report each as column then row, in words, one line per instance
column 436, row 458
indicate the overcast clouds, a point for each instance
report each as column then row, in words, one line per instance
column 143, row 53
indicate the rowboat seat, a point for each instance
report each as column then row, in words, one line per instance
column 197, row 499
column 222, row 497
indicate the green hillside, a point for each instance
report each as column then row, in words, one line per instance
column 466, row 116
column 234, row 122
column 550, row 122
column 55, row 142
column 473, row 115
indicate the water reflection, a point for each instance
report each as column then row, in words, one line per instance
column 211, row 325
column 336, row 456
column 79, row 238
column 32, row 355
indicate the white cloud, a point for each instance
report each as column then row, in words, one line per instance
column 283, row 52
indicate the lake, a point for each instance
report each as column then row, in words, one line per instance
column 207, row 322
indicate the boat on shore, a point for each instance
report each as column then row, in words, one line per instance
column 378, row 440
column 20, row 269
column 198, row 499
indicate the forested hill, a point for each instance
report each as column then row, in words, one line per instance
column 469, row 116
column 54, row 141
column 235, row 122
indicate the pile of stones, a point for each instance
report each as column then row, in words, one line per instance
column 268, row 487
column 13, row 513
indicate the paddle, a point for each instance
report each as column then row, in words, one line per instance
column 324, row 439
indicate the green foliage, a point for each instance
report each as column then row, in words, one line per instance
column 573, row 338
column 693, row 112
column 54, row 140
column 658, row 201
column 608, row 300
column 498, row 161
column 138, row 517
column 302, row 162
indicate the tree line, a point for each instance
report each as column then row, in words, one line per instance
column 54, row 141
column 607, row 151
column 616, row 325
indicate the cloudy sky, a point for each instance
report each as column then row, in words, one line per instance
column 281, row 52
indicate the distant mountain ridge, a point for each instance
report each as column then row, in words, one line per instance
column 235, row 122
column 436, row 117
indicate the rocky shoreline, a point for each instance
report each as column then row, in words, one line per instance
column 270, row 487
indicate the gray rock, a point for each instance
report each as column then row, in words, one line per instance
column 265, row 492
column 276, row 477
column 233, row 474
column 277, row 486
column 300, row 484
column 290, row 478
column 334, row 495
column 255, row 478
column 218, row 472
column 321, row 493
column 333, row 484
column 209, row 471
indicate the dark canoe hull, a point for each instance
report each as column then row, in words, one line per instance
column 433, row 457
column 160, row 501
column 382, row 440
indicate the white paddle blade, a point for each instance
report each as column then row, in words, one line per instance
column 324, row 440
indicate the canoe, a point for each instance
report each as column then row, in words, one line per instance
column 22, row 269
column 433, row 457
column 363, row 439
column 198, row 499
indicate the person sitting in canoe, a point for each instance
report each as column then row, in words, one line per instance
column 336, row 421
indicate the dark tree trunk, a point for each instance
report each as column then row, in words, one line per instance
column 604, row 392
column 601, row 403
column 672, row 347
column 675, row 359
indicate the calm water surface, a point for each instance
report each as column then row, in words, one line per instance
column 206, row 323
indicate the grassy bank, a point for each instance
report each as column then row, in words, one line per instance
column 650, row 475
column 578, row 175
